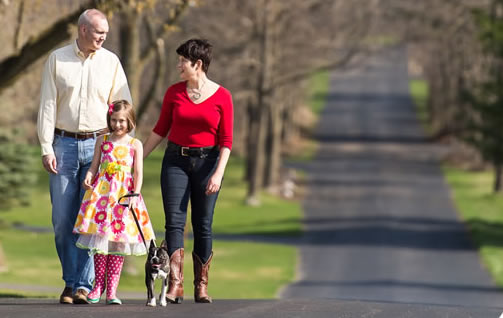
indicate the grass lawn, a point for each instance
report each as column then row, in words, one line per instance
column 240, row 269
column 482, row 211
column 479, row 207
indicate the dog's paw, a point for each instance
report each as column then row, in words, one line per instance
column 151, row 303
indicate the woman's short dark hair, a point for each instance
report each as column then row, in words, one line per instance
column 196, row 49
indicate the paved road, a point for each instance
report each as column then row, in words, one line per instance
column 301, row 308
column 379, row 222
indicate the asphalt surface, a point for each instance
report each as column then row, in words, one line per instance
column 382, row 238
column 300, row 308
column 379, row 222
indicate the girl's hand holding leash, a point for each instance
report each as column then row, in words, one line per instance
column 133, row 202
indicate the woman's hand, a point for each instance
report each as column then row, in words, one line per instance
column 214, row 184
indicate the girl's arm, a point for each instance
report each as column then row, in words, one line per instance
column 138, row 166
column 216, row 179
column 93, row 169
column 152, row 141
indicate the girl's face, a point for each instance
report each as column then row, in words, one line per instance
column 118, row 122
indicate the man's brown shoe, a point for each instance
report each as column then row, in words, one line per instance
column 66, row 296
column 80, row 297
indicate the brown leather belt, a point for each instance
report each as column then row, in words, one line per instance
column 80, row 135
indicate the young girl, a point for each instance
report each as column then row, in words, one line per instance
column 106, row 228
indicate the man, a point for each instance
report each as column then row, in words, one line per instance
column 78, row 83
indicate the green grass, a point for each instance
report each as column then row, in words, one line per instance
column 472, row 194
column 318, row 86
column 240, row 269
column 481, row 209
column 419, row 91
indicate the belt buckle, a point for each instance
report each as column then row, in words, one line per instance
column 184, row 151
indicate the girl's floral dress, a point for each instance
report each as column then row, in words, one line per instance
column 106, row 227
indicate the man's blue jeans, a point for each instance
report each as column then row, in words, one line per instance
column 184, row 178
column 73, row 160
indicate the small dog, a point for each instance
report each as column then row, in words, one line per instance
column 157, row 267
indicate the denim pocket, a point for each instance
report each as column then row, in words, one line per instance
column 56, row 141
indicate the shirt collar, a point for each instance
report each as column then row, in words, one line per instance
column 79, row 53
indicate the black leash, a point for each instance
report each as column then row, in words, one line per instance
column 126, row 205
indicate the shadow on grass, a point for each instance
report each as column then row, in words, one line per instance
column 486, row 233
column 11, row 295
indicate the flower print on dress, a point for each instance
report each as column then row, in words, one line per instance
column 85, row 205
column 100, row 217
column 103, row 187
column 87, row 195
column 132, row 229
column 120, row 152
column 117, row 226
column 102, row 203
column 119, row 211
column 107, row 146
column 79, row 220
column 94, row 197
column 121, row 237
column 103, row 228
column 129, row 183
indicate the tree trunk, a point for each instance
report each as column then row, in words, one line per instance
column 263, row 102
column 130, row 50
column 273, row 164
column 15, row 65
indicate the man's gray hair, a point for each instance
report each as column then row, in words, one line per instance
column 85, row 17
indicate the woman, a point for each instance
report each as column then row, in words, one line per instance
column 197, row 118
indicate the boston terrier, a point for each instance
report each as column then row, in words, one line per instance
column 157, row 267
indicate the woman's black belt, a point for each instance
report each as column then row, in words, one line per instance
column 191, row 151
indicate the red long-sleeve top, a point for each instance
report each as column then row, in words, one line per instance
column 188, row 124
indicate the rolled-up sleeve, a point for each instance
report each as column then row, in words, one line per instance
column 46, row 120
column 227, row 122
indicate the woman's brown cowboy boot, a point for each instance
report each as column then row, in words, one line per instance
column 175, row 282
column 201, row 279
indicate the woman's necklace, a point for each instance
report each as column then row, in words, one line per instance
column 196, row 93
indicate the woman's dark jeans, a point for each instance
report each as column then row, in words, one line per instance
column 184, row 178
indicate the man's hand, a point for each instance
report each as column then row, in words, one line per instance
column 49, row 162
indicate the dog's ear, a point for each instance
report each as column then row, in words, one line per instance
column 164, row 244
column 152, row 244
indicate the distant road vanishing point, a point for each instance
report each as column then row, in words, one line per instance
column 379, row 222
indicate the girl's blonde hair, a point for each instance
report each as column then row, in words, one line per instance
column 122, row 105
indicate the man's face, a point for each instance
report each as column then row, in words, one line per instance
column 95, row 34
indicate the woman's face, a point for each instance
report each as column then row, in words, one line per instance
column 186, row 69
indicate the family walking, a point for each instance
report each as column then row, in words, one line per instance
column 85, row 125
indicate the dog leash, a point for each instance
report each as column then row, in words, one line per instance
column 126, row 205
